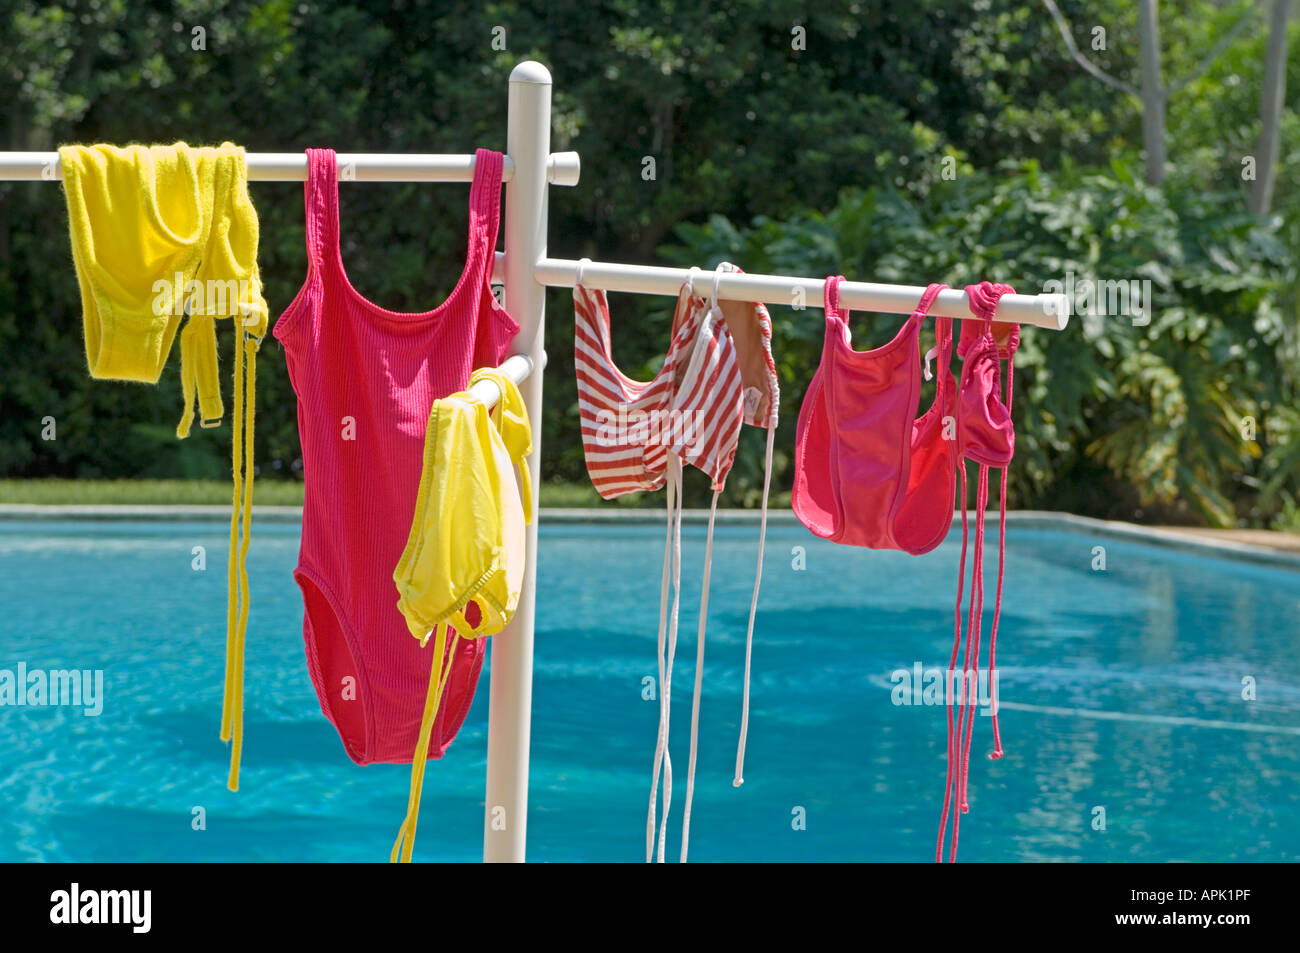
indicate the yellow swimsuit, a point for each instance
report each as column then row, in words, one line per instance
column 466, row 542
column 159, row 232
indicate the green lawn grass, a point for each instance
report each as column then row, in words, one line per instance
column 265, row 492
column 159, row 492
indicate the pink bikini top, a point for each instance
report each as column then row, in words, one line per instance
column 984, row 430
column 868, row 472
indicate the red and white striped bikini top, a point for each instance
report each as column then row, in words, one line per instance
column 717, row 375
column 693, row 407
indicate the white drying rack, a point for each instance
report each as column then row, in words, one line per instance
column 529, row 168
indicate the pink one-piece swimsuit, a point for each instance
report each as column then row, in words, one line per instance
column 365, row 379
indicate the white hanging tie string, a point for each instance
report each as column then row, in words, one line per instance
column 699, row 680
column 661, row 743
column 667, row 646
column 667, row 628
column 715, row 312
column 739, row 779
column 673, row 480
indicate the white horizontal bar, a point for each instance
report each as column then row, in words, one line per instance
column 562, row 168
column 1049, row 311
column 517, row 367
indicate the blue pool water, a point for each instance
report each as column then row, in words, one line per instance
column 1122, row 691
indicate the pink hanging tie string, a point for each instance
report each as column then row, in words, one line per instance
column 983, row 303
column 949, row 698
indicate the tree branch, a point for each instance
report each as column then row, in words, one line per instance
column 1082, row 60
column 1219, row 47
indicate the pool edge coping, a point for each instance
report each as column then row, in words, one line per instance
column 1047, row 519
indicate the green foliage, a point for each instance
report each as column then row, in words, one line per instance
column 1158, row 401
column 831, row 156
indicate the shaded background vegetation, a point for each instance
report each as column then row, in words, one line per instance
column 825, row 160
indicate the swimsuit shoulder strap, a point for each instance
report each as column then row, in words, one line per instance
column 942, row 331
column 321, row 195
column 485, row 205
column 837, row 320
column 591, row 318
column 927, row 300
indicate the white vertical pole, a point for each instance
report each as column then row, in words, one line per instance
column 528, row 143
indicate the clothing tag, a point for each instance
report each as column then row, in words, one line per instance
column 752, row 397
column 929, row 356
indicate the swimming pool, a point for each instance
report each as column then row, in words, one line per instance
column 1121, row 690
